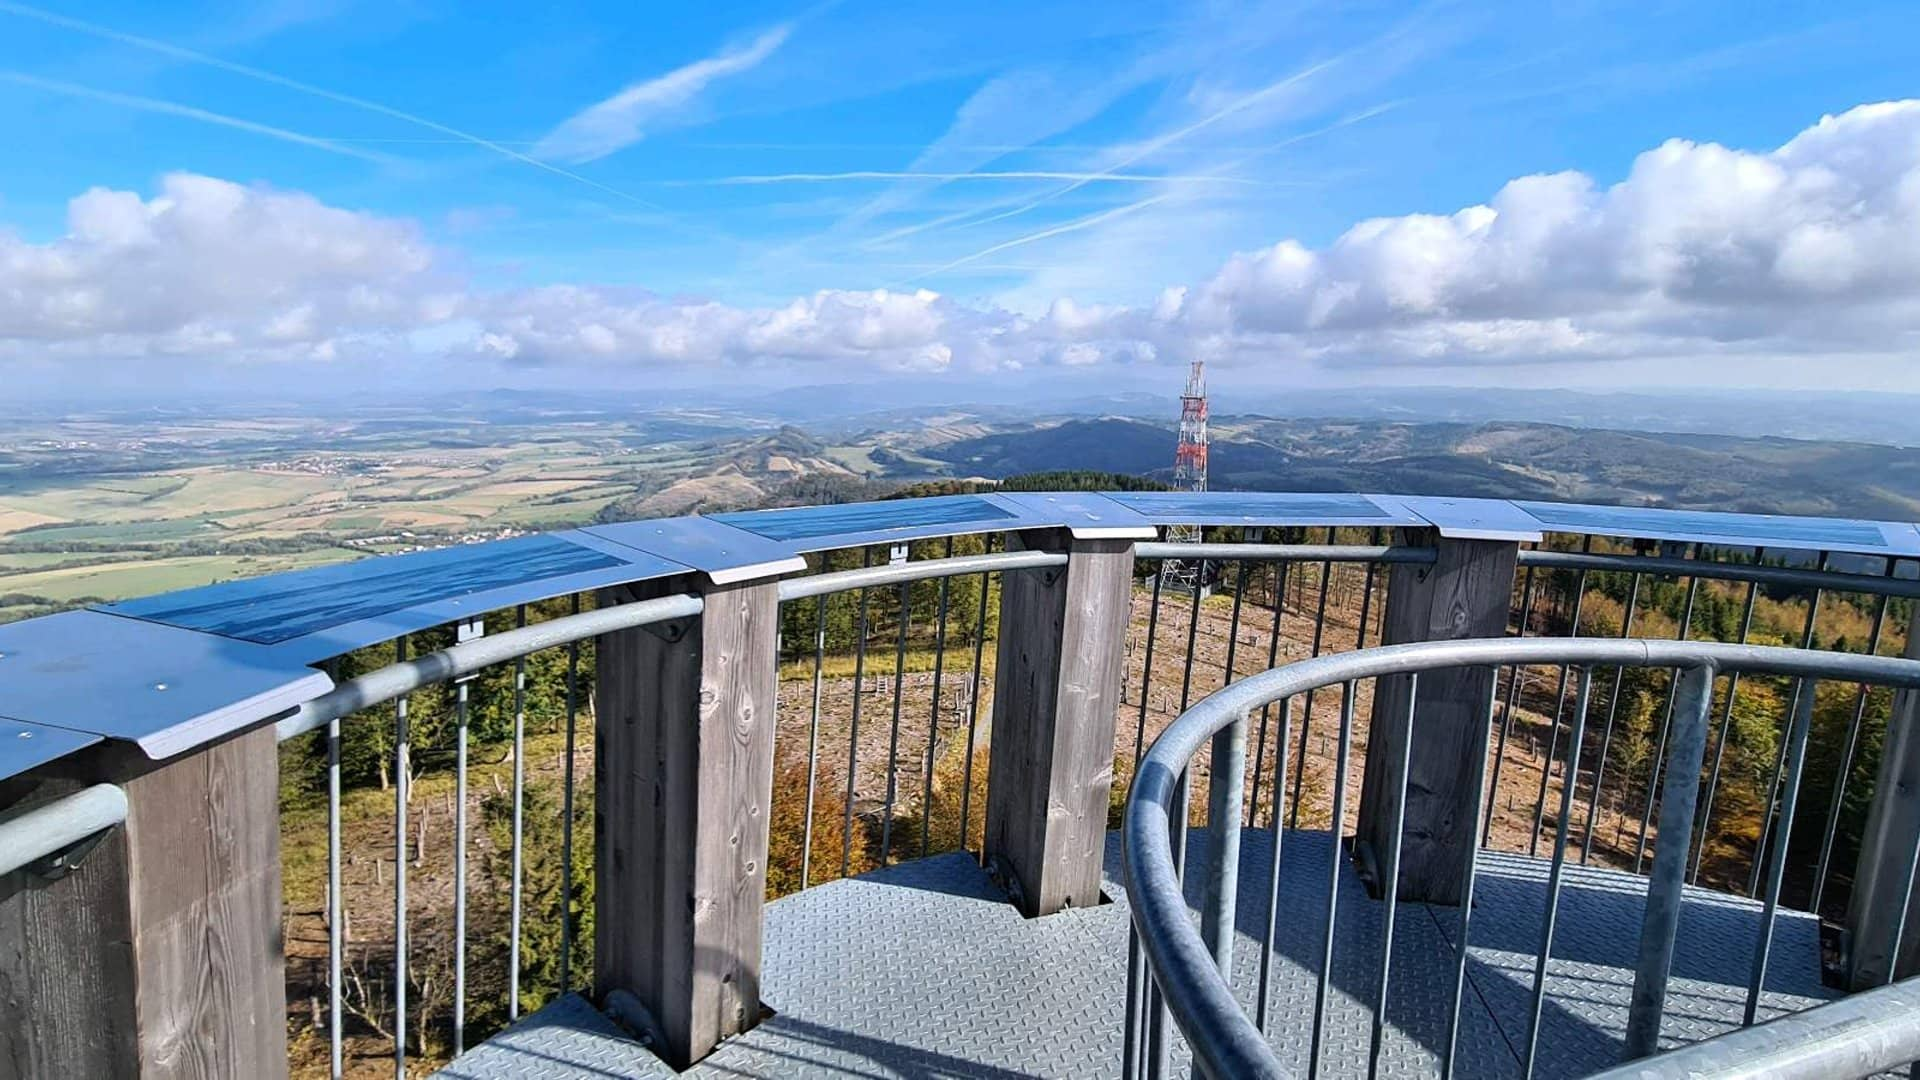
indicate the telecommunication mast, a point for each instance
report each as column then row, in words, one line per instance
column 1189, row 474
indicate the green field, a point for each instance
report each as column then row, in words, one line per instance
column 116, row 580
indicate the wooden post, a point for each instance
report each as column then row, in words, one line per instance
column 1882, row 907
column 160, row 955
column 684, row 773
column 1466, row 593
column 1056, row 693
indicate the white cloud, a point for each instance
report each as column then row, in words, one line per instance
column 624, row 119
column 1702, row 253
column 1799, row 248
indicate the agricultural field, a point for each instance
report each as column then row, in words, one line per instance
column 102, row 508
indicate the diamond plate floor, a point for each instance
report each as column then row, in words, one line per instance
column 923, row 972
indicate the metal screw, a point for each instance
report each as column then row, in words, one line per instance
column 25, row 735
column 159, row 686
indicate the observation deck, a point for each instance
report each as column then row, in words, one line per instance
column 844, row 791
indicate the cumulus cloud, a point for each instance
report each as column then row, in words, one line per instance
column 208, row 265
column 1698, row 243
column 1701, row 250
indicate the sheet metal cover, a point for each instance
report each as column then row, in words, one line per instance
column 940, row 515
column 1744, row 530
column 24, row 747
column 1470, row 519
column 719, row 550
column 281, row 607
column 1090, row 515
column 1260, row 508
column 165, row 688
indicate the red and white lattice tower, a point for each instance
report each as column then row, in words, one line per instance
column 1189, row 474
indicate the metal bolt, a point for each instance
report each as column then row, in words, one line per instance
column 159, row 686
column 26, row 735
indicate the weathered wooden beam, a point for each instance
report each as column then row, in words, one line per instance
column 1884, row 908
column 1056, row 693
column 161, row 953
column 684, row 723
column 1465, row 593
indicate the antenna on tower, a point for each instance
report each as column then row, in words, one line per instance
column 1189, row 474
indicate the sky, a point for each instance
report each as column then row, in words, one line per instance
column 403, row 194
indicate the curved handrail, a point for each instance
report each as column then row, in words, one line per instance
column 392, row 681
column 1387, row 554
column 1224, row 1041
column 1862, row 1035
column 799, row 588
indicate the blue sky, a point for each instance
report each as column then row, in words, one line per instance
column 973, row 188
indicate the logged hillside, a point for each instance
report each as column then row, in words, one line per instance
column 1509, row 460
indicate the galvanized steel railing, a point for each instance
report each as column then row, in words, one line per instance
column 1179, row 973
column 392, row 684
column 1259, row 573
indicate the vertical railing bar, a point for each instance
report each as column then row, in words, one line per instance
column 1582, row 699
column 519, row 824
column 813, row 740
column 1777, row 867
column 1666, row 725
column 1469, row 877
column 336, row 902
column 402, row 771
column 893, row 738
column 1193, row 630
column 1279, row 571
column 1263, row 1001
column 1906, row 905
column 1306, row 712
column 1559, row 708
column 1233, row 621
column 933, row 717
column 566, row 811
column 1606, row 736
column 1366, row 596
column 1146, row 674
column 1661, row 922
column 1130, row 1056
column 1390, row 879
column 1726, row 730
column 1324, row 981
column 1516, row 674
column 460, row 727
column 973, row 703
column 853, row 732
column 1845, row 772
column 1780, row 759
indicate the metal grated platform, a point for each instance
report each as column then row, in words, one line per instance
column 923, row 971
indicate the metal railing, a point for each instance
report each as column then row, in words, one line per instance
column 1179, row 973
column 391, row 685
column 1322, row 603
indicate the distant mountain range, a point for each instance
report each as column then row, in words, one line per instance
column 1507, row 460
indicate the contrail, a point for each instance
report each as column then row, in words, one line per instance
column 1154, row 146
column 1017, row 174
column 1071, row 226
column 7, row 7
column 170, row 108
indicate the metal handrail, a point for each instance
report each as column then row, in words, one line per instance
column 54, row 826
column 1351, row 553
column 800, row 588
column 395, row 680
column 1192, row 984
column 1870, row 1032
column 1787, row 576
